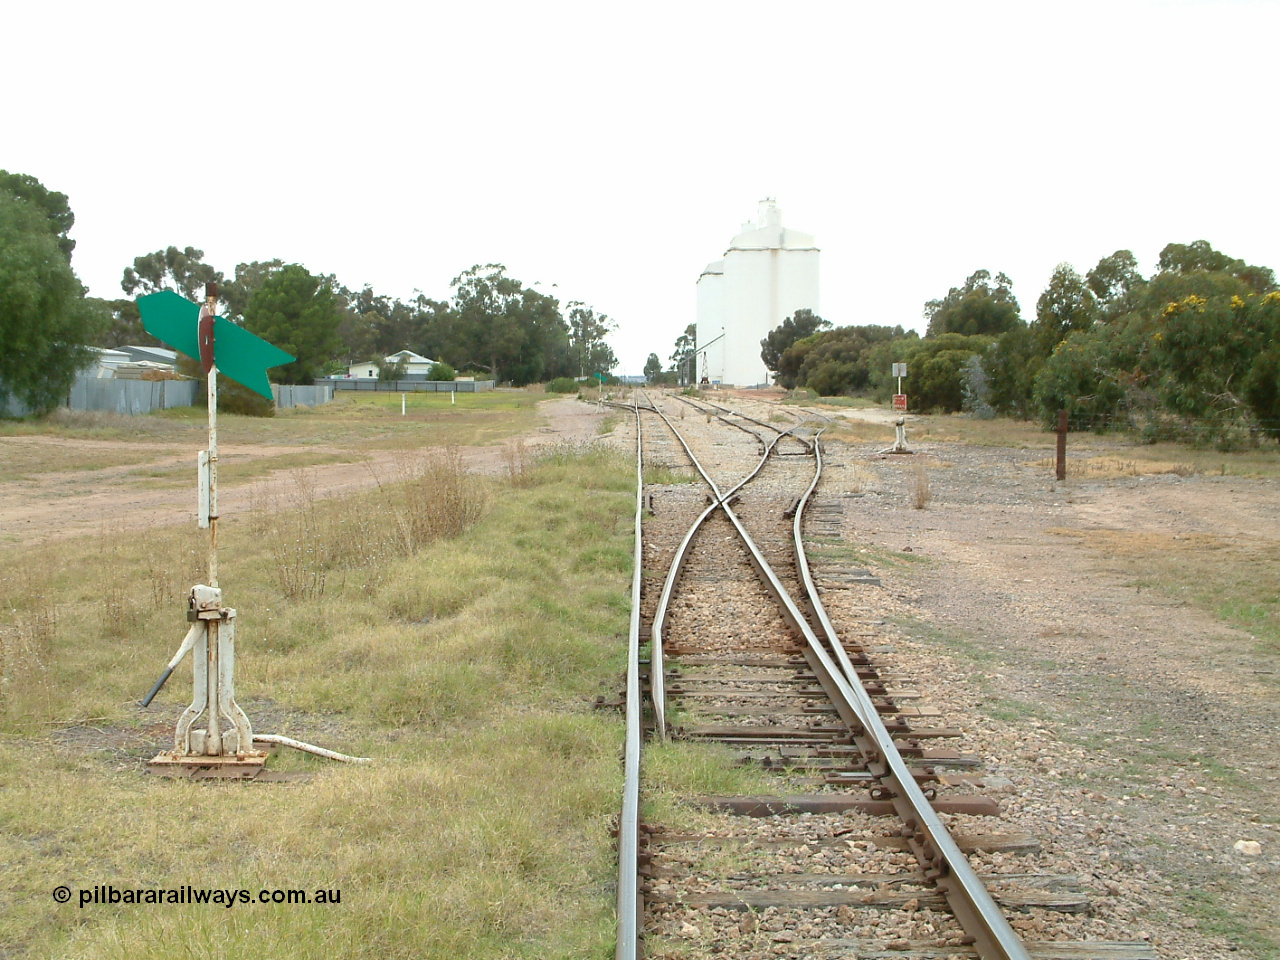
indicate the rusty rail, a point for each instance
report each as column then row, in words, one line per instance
column 657, row 668
column 629, row 906
column 928, row 837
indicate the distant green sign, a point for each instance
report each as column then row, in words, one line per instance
column 237, row 353
column 599, row 376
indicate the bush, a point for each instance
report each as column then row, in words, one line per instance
column 232, row 397
column 441, row 371
column 562, row 385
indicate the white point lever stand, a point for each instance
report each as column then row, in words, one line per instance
column 225, row 747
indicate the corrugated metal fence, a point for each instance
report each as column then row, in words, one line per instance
column 137, row 397
column 133, row 397
column 301, row 395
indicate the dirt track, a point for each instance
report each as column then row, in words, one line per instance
column 69, row 503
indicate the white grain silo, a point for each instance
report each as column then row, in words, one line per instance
column 767, row 274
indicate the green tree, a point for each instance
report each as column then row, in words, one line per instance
column 170, row 269
column 975, row 309
column 1066, row 305
column 1200, row 257
column 652, row 368
column 683, row 358
column 1010, row 366
column 801, row 324
column 53, row 205
column 1114, row 281
column 393, row 371
column 236, row 294
column 441, row 371
column 1082, row 378
column 587, row 330
column 124, row 326
column 516, row 333
column 835, row 362
column 45, row 319
column 299, row 313
column 937, row 369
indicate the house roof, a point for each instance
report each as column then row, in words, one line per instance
column 154, row 354
column 408, row 356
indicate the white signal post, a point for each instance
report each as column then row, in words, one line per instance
column 211, row 638
column 225, row 748
column 211, row 304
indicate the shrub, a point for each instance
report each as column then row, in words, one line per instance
column 562, row 385
column 441, row 371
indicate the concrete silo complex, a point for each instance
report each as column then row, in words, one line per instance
column 767, row 274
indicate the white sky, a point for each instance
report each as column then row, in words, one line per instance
column 615, row 150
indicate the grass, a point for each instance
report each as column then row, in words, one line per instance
column 1243, row 591
column 919, row 487
column 673, row 770
column 237, row 468
column 852, row 554
column 1218, row 919
column 1262, row 461
column 464, row 664
column 351, row 420
column 664, row 476
column 1113, row 467
column 22, row 461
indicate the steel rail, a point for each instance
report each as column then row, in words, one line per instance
column 725, row 413
column 944, row 863
column 800, row 421
column 629, row 906
column 657, row 666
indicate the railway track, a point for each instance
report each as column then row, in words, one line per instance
column 849, row 854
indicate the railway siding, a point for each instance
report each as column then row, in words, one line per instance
column 814, row 868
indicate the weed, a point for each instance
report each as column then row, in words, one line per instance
column 663, row 475
column 27, row 655
column 1108, row 467
column 515, row 454
column 920, row 494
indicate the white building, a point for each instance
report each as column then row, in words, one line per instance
column 414, row 365
column 767, row 274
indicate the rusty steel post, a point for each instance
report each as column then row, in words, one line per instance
column 1062, row 444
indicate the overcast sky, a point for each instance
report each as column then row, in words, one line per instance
column 614, row 151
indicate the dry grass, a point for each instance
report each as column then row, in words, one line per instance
column 858, row 479
column 859, row 431
column 27, row 645
column 352, row 421
column 23, row 459
column 515, row 456
column 1111, row 468
column 433, row 497
column 466, row 668
column 919, row 487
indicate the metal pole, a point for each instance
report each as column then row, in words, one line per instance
column 213, row 738
column 1062, row 444
column 211, row 299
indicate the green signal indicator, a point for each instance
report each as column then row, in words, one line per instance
column 237, row 353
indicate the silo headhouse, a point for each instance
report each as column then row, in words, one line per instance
column 767, row 274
